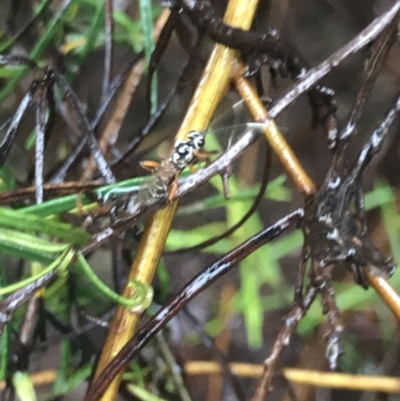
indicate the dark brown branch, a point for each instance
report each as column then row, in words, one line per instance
column 10, row 304
column 283, row 340
column 161, row 45
column 85, row 128
column 316, row 74
column 50, row 190
column 179, row 301
column 373, row 66
column 9, row 138
column 114, row 86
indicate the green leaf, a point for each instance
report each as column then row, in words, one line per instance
column 79, row 377
column 379, row 196
column 61, row 263
column 142, row 296
column 69, row 202
column 28, row 246
column 257, row 269
column 143, row 394
column 23, row 386
column 7, row 181
column 92, row 33
column 5, row 337
column 60, row 385
column 33, row 224
column 195, row 236
column 146, row 22
column 275, row 191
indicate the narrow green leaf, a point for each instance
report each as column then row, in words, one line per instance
column 5, row 337
column 380, row 195
column 60, row 385
column 256, row 269
column 33, row 224
column 195, row 236
column 23, row 386
column 61, row 263
column 92, row 33
column 287, row 244
column 143, row 394
column 66, row 385
column 7, row 181
column 69, row 202
column 391, row 220
column 141, row 300
column 28, row 246
column 146, row 21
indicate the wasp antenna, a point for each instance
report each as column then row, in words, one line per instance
column 256, row 125
column 238, row 106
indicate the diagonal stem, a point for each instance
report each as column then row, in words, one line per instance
column 213, row 85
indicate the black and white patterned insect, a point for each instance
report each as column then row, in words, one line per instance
column 163, row 181
column 164, row 176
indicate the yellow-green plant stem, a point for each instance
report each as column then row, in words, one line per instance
column 211, row 89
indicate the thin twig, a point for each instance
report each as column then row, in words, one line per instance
column 316, row 74
column 108, row 51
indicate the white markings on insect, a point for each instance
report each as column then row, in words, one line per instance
column 118, row 191
column 185, row 151
column 183, row 154
column 259, row 126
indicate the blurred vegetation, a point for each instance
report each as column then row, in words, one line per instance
column 36, row 238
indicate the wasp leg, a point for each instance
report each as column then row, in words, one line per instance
column 173, row 188
column 88, row 220
column 205, row 155
column 192, row 168
column 201, row 156
column 79, row 204
column 149, row 165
